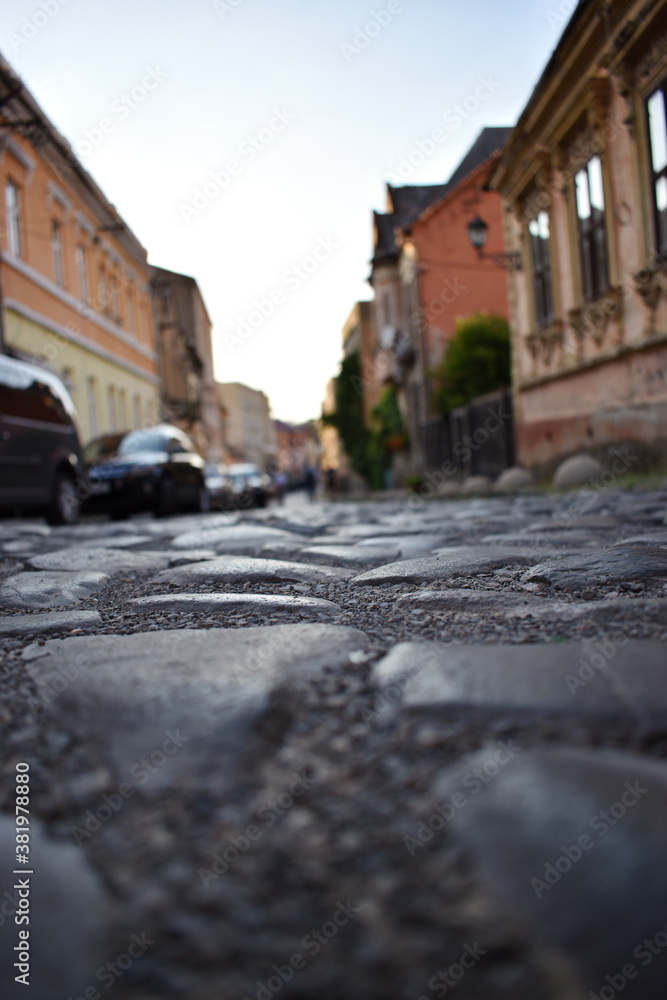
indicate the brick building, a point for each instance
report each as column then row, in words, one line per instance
column 425, row 273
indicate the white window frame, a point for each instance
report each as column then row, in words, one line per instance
column 58, row 253
column 13, row 219
column 82, row 271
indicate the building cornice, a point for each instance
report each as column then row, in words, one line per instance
column 617, row 354
column 73, row 303
column 74, row 338
column 570, row 86
column 9, row 145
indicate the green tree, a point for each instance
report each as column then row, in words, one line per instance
column 348, row 418
column 389, row 427
column 369, row 450
column 477, row 361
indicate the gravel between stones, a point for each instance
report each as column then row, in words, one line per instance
column 366, row 775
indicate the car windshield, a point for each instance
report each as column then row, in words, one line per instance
column 244, row 470
column 102, row 447
column 142, row 441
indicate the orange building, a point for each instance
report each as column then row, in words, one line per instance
column 426, row 274
column 75, row 280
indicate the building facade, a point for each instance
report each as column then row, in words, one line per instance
column 359, row 337
column 426, row 274
column 584, row 176
column 249, row 431
column 188, row 389
column 75, row 280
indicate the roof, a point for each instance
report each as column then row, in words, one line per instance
column 411, row 201
column 489, row 141
column 553, row 66
column 16, row 92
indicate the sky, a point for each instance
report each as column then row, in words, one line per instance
column 246, row 142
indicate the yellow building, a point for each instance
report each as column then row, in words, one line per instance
column 75, row 280
column 250, row 435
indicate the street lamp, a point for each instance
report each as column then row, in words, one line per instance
column 477, row 232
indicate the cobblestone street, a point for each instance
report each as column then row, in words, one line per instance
column 362, row 750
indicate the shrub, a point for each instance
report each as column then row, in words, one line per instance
column 477, row 361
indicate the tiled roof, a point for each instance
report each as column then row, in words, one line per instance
column 487, row 142
column 412, row 200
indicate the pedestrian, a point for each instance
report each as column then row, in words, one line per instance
column 310, row 482
column 331, row 483
column 281, row 486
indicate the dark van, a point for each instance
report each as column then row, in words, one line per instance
column 41, row 467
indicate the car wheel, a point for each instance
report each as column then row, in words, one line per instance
column 65, row 506
column 166, row 504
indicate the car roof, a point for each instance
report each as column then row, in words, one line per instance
column 34, row 373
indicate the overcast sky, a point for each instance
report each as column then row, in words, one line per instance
column 313, row 103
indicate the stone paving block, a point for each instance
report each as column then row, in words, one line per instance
column 352, row 555
column 211, row 689
column 349, row 532
column 50, row 590
column 409, row 546
column 185, row 556
column 574, row 842
column 239, row 569
column 612, row 613
column 52, row 621
column 445, row 564
column 117, row 542
column 602, row 678
column 473, row 601
column 222, row 603
column 232, row 538
column 619, row 564
column 553, row 537
column 104, row 560
column 68, row 912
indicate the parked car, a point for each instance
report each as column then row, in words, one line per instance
column 41, row 464
column 219, row 485
column 251, row 487
column 157, row 469
column 103, row 447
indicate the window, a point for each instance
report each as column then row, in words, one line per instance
column 592, row 230
column 82, row 271
column 57, row 252
column 93, row 417
column 129, row 299
column 67, row 378
column 113, row 415
column 13, row 219
column 115, row 299
column 137, row 411
column 538, row 231
column 122, row 409
column 103, row 292
column 657, row 123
